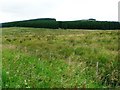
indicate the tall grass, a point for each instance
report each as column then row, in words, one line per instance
column 47, row 58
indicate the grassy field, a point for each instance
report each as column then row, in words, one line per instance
column 56, row 58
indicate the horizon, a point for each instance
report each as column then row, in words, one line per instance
column 61, row 10
column 57, row 20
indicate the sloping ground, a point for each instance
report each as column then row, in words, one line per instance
column 47, row 58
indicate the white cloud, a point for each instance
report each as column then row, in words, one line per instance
column 12, row 10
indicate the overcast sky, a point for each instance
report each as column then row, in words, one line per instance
column 62, row 10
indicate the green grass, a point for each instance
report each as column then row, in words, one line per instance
column 56, row 58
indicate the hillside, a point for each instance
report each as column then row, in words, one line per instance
column 52, row 23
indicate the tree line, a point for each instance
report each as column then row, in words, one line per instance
column 53, row 24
